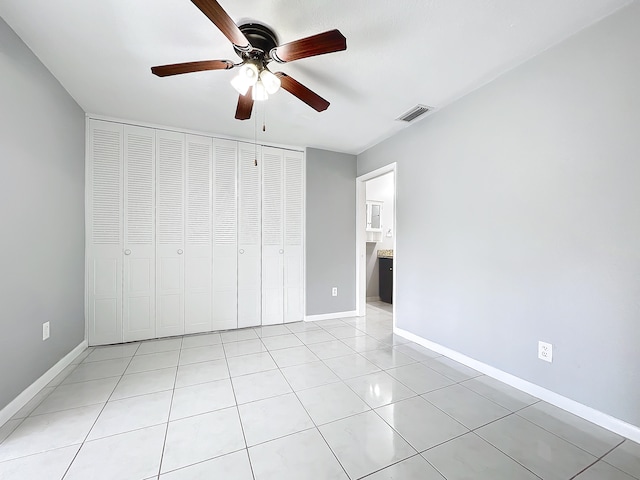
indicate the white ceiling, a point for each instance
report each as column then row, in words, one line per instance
column 399, row 53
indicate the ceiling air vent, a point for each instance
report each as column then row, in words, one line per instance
column 414, row 113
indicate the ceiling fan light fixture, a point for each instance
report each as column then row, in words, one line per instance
column 247, row 77
column 257, row 45
column 260, row 93
column 270, row 81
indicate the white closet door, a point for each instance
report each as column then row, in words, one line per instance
column 249, row 238
column 139, row 320
column 198, row 251
column 272, row 236
column 294, row 236
column 225, row 235
column 170, row 234
column 104, row 233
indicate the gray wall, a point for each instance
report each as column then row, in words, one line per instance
column 331, row 231
column 518, row 219
column 42, row 217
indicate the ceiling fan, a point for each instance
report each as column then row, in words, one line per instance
column 257, row 46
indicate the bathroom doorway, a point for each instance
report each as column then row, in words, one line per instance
column 376, row 243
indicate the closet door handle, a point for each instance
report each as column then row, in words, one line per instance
column 127, row 252
column 180, row 252
column 241, row 251
column 281, row 251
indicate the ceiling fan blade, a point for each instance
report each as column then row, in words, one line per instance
column 327, row 42
column 179, row 68
column 245, row 105
column 223, row 21
column 309, row 97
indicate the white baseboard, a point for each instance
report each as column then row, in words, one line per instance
column 330, row 316
column 373, row 299
column 32, row 390
column 604, row 420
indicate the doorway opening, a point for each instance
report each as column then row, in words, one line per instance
column 376, row 243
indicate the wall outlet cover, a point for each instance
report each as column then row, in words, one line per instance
column 334, row 292
column 545, row 351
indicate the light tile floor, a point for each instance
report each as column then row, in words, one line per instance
column 336, row 399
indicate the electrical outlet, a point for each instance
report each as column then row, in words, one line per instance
column 545, row 351
column 334, row 292
column 45, row 331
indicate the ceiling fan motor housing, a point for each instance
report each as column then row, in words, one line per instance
column 262, row 38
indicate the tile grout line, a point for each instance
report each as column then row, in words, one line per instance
column 312, row 420
column 396, row 463
column 383, row 346
column 136, row 355
column 22, row 419
column 341, row 381
column 166, row 431
column 474, row 430
column 537, row 400
column 371, row 408
column 121, row 376
column 66, row 472
column 601, row 459
column 420, row 395
column 558, row 436
column 415, row 361
column 505, row 453
column 235, row 398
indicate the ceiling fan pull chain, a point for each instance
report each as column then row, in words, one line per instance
column 255, row 141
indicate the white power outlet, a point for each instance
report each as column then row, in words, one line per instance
column 45, row 331
column 545, row 351
column 334, row 292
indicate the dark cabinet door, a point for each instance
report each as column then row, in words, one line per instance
column 385, row 268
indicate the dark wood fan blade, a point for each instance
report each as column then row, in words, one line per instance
column 245, row 105
column 179, row 68
column 223, row 21
column 327, row 42
column 309, row 97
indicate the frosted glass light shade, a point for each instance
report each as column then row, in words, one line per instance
column 260, row 92
column 240, row 85
column 247, row 77
column 270, row 81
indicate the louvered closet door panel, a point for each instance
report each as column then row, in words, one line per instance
column 139, row 298
column 104, row 233
column 198, row 251
column 170, row 233
column 225, row 235
column 272, row 236
column 294, row 236
column 249, row 237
